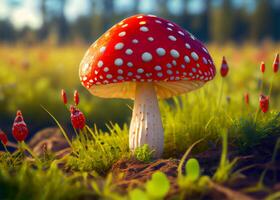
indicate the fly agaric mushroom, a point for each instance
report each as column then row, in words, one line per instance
column 145, row 58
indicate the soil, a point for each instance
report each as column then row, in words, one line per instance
column 136, row 173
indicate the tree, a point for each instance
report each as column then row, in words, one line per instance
column 221, row 22
column 261, row 21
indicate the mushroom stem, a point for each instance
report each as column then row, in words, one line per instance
column 146, row 125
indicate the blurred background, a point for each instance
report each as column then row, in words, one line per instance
column 62, row 21
column 43, row 41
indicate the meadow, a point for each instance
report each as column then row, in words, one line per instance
column 217, row 144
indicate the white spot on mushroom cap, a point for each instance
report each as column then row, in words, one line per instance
column 109, row 76
column 135, row 41
column 205, row 50
column 187, row 59
column 118, row 62
column 157, row 21
column 139, row 17
column 129, row 74
column 106, row 69
column 181, row 33
column 150, row 39
column 194, row 69
column 146, row 57
column 157, row 68
column 140, row 70
column 121, row 34
column 125, row 25
column 144, row 29
column 142, row 22
column 169, row 24
column 120, row 71
column 169, row 72
column 188, row 45
column 172, row 38
column 168, row 65
column 128, row 51
column 130, row 64
column 170, row 29
column 120, row 77
column 205, row 60
column 160, row 51
column 100, row 63
column 159, row 74
column 119, row 46
column 194, row 56
column 102, row 49
column 174, row 53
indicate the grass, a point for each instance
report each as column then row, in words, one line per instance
column 206, row 119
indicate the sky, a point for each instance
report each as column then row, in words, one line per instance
column 27, row 12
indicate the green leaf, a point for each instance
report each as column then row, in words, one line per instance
column 158, row 186
column 138, row 194
column 192, row 169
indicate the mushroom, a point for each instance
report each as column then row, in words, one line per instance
column 145, row 58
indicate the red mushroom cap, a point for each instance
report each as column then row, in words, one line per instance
column 145, row 48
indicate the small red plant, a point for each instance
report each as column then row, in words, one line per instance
column 76, row 97
column 276, row 63
column 63, row 96
column 264, row 103
column 247, row 98
column 78, row 119
column 3, row 138
column 262, row 67
column 19, row 130
column 224, row 68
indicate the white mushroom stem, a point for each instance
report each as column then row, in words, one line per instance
column 146, row 125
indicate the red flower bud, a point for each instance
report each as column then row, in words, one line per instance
column 224, row 68
column 63, row 96
column 76, row 97
column 262, row 67
column 3, row 138
column 20, row 130
column 78, row 119
column 247, row 98
column 276, row 63
column 264, row 103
